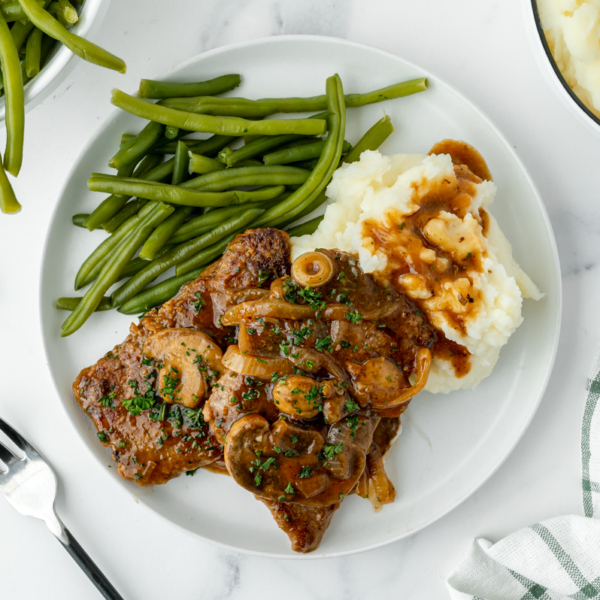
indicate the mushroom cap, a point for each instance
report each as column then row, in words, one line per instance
column 189, row 357
column 284, row 462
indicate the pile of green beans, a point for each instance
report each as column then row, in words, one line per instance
column 31, row 28
column 183, row 211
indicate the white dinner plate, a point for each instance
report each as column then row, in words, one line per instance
column 450, row 443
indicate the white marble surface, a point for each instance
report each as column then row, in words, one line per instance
column 479, row 47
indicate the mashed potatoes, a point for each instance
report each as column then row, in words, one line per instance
column 572, row 28
column 417, row 222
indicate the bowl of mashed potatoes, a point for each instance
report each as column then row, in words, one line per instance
column 565, row 35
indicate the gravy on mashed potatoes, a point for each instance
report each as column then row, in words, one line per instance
column 420, row 223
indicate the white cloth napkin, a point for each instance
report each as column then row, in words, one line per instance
column 552, row 560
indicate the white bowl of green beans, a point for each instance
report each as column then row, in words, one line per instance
column 56, row 61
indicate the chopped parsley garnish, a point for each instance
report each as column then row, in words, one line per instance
column 139, row 403
column 290, row 489
column 353, row 422
column 198, row 304
column 290, row 290
column 305, row 473
column 332, row 450
column 106, row 401
column 263, row 276
column 102, row 437
column 250, row 331
column 323, row 344
column 351, row 406
column 353, row 317
column 313, row 298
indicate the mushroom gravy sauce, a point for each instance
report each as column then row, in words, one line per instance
column 432, row 252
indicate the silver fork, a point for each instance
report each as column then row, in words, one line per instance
column 29, row 484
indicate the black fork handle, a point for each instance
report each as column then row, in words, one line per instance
column 89, row 567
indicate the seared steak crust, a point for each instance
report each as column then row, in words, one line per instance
column 153, row 441
column 151, row 447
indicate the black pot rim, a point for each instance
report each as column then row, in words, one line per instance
column 557, row 72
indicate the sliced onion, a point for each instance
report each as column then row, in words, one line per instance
column 338, row 312
column 254, row 366
column 423, row 366
column 222, row 300
column 313, row 269
column 269, row 307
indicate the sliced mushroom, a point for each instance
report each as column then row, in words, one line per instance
column 385, row 385
column 298, row 475
column 298, row 396
column 380, row 380
column 188, row 357
column 233, row 396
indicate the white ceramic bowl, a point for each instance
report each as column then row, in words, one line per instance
column 62, row 60
column 549, row 68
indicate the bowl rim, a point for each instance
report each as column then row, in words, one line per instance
column 557, row 71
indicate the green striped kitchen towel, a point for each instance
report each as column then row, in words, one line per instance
column 552, row 560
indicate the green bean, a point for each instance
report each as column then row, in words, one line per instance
column 111, row 205
column 138, row 147
column 204, row 223
column 79, row 220
column 66, row 15
column 79, row 46
column 371, row 140
column 211, row 124
column 148, row 172
column 241, row 107
column 203, row 164
column 298, row 153
column 120, row 256
column 15, row 102
column 178, row 195
column 257, row 147
column 163, row 89
column 157, row 294
column 166, row 229
column 8, row 201
column 159, row 173
column 328, row 162
column 172, row 133
column 21, row 29
column 262, row 145
column 306, row 228
column 93, row 264
column 181, row 164
column 129, row 210
column 247, row 176
column 207, row 255
column 33, row 53
column 12, row 11
column 135, row 265
column 71, row 304
column 206, row 147
column 69, row 11
column 146, row 166
column 180, row 253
